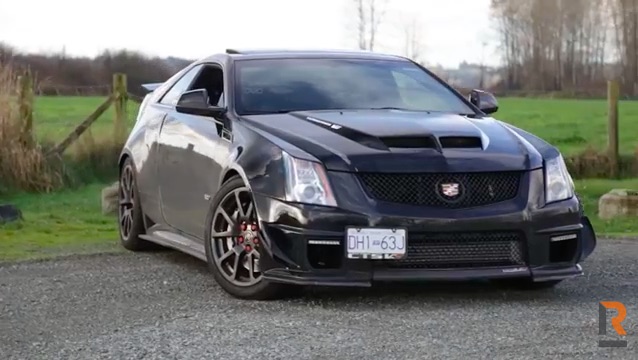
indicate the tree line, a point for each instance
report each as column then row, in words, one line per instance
column 571, row 46
column 60, row 74
column 568, row 45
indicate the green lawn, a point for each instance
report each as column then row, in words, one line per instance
column 569, row 124
column 58, row 223
column 56, row 116
column 591, row 190
column 72, row 222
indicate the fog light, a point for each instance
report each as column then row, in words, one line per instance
column 324, row 242
column 563, row 237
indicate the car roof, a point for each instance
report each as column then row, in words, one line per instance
column 238, row 54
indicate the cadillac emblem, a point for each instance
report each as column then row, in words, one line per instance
column 450, row 189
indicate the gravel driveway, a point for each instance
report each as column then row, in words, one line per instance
column 165, row 305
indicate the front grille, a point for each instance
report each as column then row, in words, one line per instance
column 445, row 190
column 463, row 250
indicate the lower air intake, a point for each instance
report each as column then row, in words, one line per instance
column 463, row 250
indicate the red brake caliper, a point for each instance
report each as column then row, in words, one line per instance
column 250, row 243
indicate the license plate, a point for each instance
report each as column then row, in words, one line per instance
column 375, row 243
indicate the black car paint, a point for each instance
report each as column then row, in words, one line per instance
column 182, row 159
column 505, row 149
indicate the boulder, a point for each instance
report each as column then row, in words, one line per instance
column 9, row 213
column 618, row 203
column 110, row 199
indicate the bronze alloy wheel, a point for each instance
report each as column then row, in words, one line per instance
column 235, row 238
column 127, row 202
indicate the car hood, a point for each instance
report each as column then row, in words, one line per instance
column 394, row 141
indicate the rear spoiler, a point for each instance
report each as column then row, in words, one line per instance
column 151, row 87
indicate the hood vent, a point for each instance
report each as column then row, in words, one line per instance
column 410, row 142
column 461, row 142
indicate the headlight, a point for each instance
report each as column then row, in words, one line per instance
column 558, row 183
column 307, row 182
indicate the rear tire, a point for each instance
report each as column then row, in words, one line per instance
column 130, row 217
column 234, row 247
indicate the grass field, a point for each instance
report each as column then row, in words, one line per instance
column 569, row 124
column 71, row 221
column 58, row 223
column 55, row 117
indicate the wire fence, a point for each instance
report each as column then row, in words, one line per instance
column 70, row 90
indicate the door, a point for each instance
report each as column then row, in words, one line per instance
column 195, row 154
column 153, row 115
column 171, row 146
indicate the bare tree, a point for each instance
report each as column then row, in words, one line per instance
column 413, row 46
column 625, row 20
column 482, row 78
column 369, row 17
column 551, row 45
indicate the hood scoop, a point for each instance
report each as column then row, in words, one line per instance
column 410, row 142
column 413, row 138
column 430, row 142
column 461, row 142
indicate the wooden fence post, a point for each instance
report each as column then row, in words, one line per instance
column 25, row 108
column 81, row 128
column 613, row 92
column 120, row 94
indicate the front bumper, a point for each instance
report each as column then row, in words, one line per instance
column 554, row 239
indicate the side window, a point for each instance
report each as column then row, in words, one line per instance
column 171, row 97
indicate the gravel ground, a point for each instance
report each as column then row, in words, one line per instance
column 166, row 306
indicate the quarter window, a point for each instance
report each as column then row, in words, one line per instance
column 171, row 97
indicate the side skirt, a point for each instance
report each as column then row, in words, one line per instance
column 165, row 237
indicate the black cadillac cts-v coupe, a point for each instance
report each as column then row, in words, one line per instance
column 289, row 168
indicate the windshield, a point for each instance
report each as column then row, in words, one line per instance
column 282, row 85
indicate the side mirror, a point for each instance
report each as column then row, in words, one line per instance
column 484, row 101
column 195, row 102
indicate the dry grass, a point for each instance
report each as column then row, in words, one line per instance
column 92, row 158
column 594, row 164
column 22, row 162
column 24, row 165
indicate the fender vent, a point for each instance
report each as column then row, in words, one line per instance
column 461, row 142
column 410, row 142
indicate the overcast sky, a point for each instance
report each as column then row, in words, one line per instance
column 451, row 30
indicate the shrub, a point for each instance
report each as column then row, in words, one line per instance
column 24, row 163
column 91, row 159
column 592, row 163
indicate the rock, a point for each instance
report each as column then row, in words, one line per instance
column 110, row 199
column 9, row 213
column 618, row 203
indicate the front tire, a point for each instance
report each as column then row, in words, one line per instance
column 234, row 244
